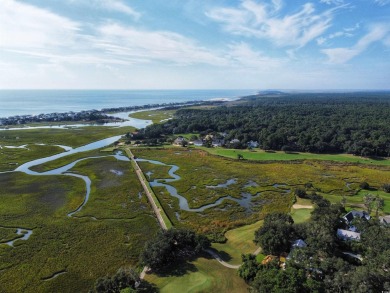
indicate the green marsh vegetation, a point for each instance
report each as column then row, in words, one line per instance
column 73, row 137
column 275, row 181
column 108, row 233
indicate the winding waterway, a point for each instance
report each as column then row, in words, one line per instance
column 19, row 231
column 25, row 168
column 245, row 201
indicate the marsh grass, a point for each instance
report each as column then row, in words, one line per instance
column 74, row 137
column 83, row 247
column 275, row 181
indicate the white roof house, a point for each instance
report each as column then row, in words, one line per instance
column 348, row 235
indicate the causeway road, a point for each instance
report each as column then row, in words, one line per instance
column 147, row 190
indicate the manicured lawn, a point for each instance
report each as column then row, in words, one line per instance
column 239, row 241
column 201, row 275
column 300, row 215
column 260, row 155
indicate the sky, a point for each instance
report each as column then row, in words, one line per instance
column 195, row 44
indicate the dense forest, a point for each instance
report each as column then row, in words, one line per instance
column 355, row 123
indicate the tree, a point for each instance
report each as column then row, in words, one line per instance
column 273, row 279
column 168, row 246
column 300, row 192
column 276, row 233
column 249, row 267
column 379, row 204
column 364, row 185
column 386, row 187
column 368, row 202
column 124, row 278
column 240, row 157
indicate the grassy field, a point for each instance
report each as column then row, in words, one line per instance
column 108, row 233
column 200, row 275
column 239, row 241
column 260, row 155
column 75, row 137
column 157, row 116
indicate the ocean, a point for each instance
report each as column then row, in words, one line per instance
column 33, row 102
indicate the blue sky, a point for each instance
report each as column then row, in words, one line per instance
column 195, row 44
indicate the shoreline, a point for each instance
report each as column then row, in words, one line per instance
column 90, row 116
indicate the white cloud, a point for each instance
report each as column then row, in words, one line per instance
column 243, row 55
column 52, row 39
column 334, row 2
column 342, row 55
column 382, row 2
column 346, row 32
column 123, row 41
column 321, row 40
column 262, row 21
column 26, row 26
column 387, row 41
column 110, row 5
column 119, row 6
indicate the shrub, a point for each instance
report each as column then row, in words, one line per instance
column 386, row 187
column 364, row 185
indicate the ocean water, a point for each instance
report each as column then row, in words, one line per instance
column 32, row 102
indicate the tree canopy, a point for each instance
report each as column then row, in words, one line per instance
column 355, row 123
column 326, row 264
column 168, row 246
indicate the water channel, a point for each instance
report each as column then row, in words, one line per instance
column 245, row 201
column 25, row 168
